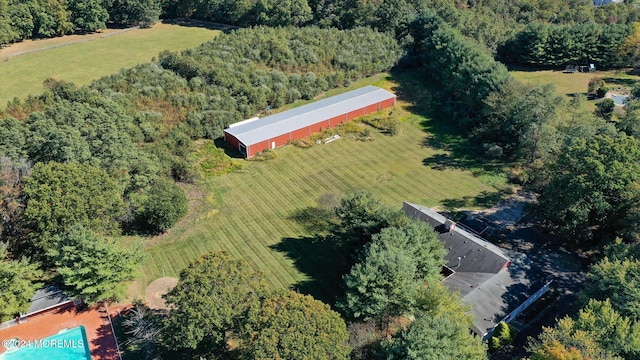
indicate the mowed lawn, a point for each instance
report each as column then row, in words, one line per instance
column 255, row 203
column 82, row 62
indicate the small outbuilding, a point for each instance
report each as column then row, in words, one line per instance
column 253, row 136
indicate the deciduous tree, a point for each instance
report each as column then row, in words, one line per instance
column 382, row 285
column 213, row 294
column 436, row 337
column 294, row 326
column 598, row 332
column 161, row 206
column 617, row 280
column 61, row 195
column 593, row 188
column 88, row 15
column 360, row 215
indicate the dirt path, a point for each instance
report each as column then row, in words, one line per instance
column 32, row 46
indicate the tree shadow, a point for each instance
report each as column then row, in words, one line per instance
column 229, row 150
column 485, row 199
column 321, row 261
column 619, row 81
column 442, row 132
column 104, row 344
column 225, row 28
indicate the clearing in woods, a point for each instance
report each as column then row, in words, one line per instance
column 248, row 210
column 83, row 58
column 569, row 84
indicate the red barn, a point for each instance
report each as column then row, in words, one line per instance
column 253, row 136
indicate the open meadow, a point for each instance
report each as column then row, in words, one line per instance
column 81, row 61
column 247, row 212
column 568, row 84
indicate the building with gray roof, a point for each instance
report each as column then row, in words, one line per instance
column 474, row 267
column 253, row 136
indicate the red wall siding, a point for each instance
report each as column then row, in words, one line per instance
column 388, row 103
column 231, row 140
column 256, row 148
column 300, row 133
column 354, row 114
column 317, row 127
column 337, row 120
column 281, row 140
column 371, row 108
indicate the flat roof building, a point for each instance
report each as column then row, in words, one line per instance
column 256, row 135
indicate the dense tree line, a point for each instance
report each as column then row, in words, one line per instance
column 488, row 22
column 466, row 73
column 25, row 19
column 541, row 44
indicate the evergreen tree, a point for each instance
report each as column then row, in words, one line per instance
column 92, row 267
column 17, row 284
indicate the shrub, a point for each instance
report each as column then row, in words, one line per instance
column 263, row 156
column 503, row 335
column 349, row 127
column 595, row 83
column 602, row 91
column 164, row 204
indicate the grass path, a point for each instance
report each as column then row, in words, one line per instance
column 256, row 202
column 82, row 62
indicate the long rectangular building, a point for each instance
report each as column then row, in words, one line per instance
column 252, row 137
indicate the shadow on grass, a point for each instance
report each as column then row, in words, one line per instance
column 226, row 28
column 485, row 199
column 531, row 68
column 229, row 150
column 442, row 132
column 619, row 81
column 320, row 261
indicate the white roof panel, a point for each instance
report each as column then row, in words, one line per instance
column 282, row 123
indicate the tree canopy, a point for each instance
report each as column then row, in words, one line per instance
column 391, row 270
column 360, row 216
column 598, row 332
column 17, row 284
column 59, row 196
column 616, row 280
column 593, row 188
column 293, row 326
column 162, row 205
column 212, row 294
column 436, row 337
column 93, row 267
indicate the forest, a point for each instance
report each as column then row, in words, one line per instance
column 118, row 150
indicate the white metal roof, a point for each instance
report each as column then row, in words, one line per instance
column 282, row 123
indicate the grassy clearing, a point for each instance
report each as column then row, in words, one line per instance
column 254, row 204
column 576, row 83
column 82, row 62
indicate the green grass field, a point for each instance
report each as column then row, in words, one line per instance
column 253, row 205
column 86, row 61
column 576, row 83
